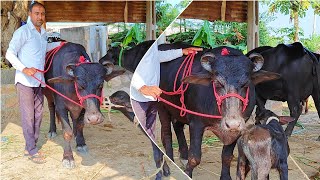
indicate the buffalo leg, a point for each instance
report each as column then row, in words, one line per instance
column 68, row 160
column 158, row 158
column 78, row 125
column 316, row 99
column 295, row 111
column 166, row 134
column 53, row 128
column 227, row 156
column 196, row 129
column 183, row 146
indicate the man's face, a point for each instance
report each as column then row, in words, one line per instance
column 37, row 15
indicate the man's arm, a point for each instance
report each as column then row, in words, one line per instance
column 17, row 41
column 169, row 55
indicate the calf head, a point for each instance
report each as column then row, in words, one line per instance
column 88, row 79
column 232, row 76
column 121, row 98
column 111, row 56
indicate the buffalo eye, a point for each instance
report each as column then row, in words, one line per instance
column 218, row 84
column 81, row 87
column 245, row 85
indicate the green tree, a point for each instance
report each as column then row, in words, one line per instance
column 312, row 43
column 316, row 11
column 295, row 9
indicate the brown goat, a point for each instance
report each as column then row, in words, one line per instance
column 264, row 147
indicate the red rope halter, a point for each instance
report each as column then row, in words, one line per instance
column 188, row 62
column 82, row 60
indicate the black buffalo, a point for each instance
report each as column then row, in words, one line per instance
column 232, row 73
column 130, row 58
column 300, row 78
column 65, row 75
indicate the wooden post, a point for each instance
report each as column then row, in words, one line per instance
column 223, row 10
column 150, row 20
column 253, row 30
column 125, row 13
column 44, row 25
column 154, row 22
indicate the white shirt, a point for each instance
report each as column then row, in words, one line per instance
column 27, row 48
column 148, row 71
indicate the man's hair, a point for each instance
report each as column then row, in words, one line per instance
column 35, row 3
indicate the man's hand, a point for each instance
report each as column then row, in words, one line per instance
column 191, row 49
column 153, row 91
column 29, row 71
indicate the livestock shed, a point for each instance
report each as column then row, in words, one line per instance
column 103, row 11
column 14, row 12
column 232, row 11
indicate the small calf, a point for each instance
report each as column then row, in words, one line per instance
column 264, row 146
column 123, row 99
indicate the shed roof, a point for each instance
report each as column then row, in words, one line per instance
column 232, row 11
column 96, row 11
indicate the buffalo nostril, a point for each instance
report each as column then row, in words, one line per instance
column 227, row 125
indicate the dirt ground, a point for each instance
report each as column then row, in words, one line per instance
column 117, row 150
column 304, row 149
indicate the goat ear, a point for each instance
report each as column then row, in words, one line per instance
column 285, row 119
column 203, row 79
column 263, row 76
column 60, row 79
column 70, row 69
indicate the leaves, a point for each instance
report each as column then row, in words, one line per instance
column 133, row 35
column 204, row 36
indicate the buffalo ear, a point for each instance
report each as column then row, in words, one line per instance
column 109, row 66
column 60, row 79
column 70, row 69
column 263, row 76
column 206, row 61
column 203, row 79
column 117, row 71
column 257, row 60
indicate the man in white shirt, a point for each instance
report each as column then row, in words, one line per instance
column 145, row 82
column 26, row 53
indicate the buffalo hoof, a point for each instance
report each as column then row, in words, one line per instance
column 159, row 176
column 52, row 135
column 83, row 149
column 166, row 169
column 70, row 164
column 222, row 177
column 184, row 162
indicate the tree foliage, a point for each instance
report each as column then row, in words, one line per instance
column 166, row 13
column 293, row 8
column 312, row 43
